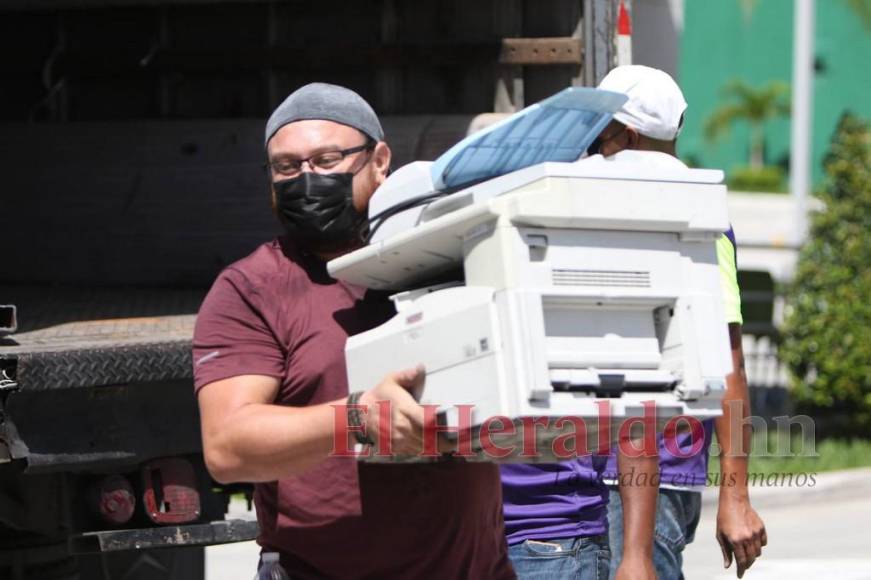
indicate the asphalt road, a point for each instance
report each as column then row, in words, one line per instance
column 232, row 561
column 812, row 534
column 806, row 541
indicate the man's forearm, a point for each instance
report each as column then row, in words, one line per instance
column 638, row 483
column 740, row 531
column 733, row 434
column 262, row 442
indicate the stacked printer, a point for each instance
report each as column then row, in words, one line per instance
column 560, row 285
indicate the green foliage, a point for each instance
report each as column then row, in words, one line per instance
column 770, row 179
column 747, row 7
column 753, row 105
column 831, row 455
column 862, row 8
column 827, row 333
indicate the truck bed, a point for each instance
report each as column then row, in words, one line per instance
column 98, row 377
column 87, row 337
column 98, row 381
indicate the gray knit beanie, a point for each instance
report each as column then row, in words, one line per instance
column 329, row 103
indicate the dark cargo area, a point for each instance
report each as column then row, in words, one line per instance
column 131, row 150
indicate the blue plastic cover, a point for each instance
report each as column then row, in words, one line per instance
column 559, row 128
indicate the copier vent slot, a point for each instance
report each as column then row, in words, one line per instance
column 614, row 278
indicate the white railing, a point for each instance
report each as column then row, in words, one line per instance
column 761, row 363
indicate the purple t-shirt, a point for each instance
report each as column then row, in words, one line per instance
column 687, row 468
column 554, row 500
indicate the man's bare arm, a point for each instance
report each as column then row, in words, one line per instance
column 740, row 531
column 248, row 438
column 638, row 483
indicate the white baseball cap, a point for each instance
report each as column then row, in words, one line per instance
column 656, row 104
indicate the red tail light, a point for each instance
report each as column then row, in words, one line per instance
column 170, row 491
column 113, row 499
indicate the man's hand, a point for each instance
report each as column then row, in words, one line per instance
column 635, row 569
column 740, row 532
column 400, row 390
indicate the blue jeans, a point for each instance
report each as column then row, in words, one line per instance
column 582, row 558
column 677, row 516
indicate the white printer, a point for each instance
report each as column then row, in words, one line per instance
column 575, row 283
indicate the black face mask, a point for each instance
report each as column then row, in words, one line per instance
column 318, row 212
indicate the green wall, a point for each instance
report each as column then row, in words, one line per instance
column 725, row 39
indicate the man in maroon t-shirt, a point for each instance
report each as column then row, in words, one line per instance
column 269, row 370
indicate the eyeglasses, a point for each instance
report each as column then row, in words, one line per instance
column 324, row 161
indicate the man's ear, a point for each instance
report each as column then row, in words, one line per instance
column 381, row 157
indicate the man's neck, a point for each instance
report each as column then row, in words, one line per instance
column 333, row 254
column 648, row 144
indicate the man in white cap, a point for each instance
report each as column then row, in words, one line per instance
column 645, row 131
column 649, row 121
column 269, row 372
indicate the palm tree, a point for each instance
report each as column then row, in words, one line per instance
column 747, row 7
column 752, row 105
